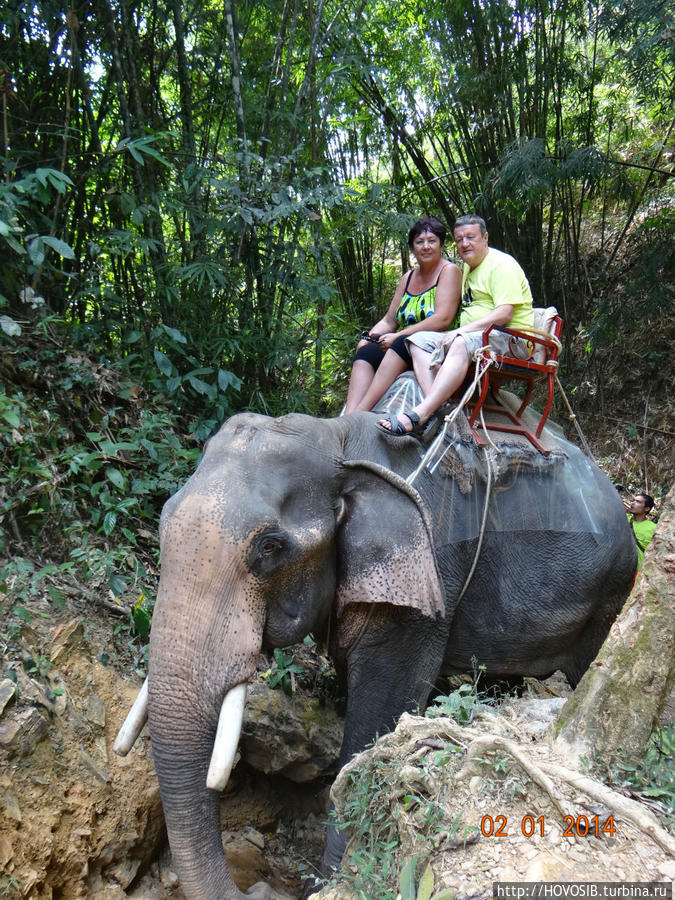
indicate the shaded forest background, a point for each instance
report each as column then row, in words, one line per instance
column 203, row 204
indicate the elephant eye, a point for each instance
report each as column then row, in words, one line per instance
column 270, row 545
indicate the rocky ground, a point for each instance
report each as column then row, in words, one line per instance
column 493, row 802
column 80, row 822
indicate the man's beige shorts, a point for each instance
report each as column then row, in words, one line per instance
column 504, row 344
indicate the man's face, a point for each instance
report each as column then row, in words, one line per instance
column 637, row 505
column 472, row 246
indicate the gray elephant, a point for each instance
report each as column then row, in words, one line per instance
column 297, row 525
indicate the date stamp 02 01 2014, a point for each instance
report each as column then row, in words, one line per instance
column 573, row 826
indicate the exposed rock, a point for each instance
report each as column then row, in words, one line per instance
column 534, row 715
column 78, row 821
column 12, row 809
column 293, row 736
column 525, row 792
column 21, row 730
column 96, row 710
column 67, row 638
column 7, row 691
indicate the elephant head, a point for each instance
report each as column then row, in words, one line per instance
column 274, row 533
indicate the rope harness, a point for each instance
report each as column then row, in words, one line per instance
column 485, row 357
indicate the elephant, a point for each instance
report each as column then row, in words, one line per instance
column 297, row 525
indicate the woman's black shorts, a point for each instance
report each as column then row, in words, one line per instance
column 373, row 354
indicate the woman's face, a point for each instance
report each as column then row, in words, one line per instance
column 427, row 247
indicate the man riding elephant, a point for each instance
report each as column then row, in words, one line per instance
column 495, row 291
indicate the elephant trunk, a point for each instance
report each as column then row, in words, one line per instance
column 192, row 814
column 205, row 640
column 184, row 752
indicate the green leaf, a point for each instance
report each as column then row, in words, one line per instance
column 426, row 886
column 63, row 249
column 228, row 379
column 22, row 613
column 175, row 334
column 36, row 251
column 12, row 418
column 447, row 894
column 406, row 880
column 116, row 477
column 57, row 597
column 142, row 622
column 117, row 584
column 111, row 447
column 164, row 364
column 200, row 386
column 109, row 522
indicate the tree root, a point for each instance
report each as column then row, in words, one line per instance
column 618, row 804
column 622, row 807
column 484, row 744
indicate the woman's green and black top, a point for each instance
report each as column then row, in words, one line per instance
column 415, row 308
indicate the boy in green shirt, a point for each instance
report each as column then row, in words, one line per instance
column 643, row 528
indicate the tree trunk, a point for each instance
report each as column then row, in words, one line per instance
column 619, row 700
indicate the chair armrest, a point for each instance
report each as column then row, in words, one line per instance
column 551, row 342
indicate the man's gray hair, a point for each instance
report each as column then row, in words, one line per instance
column 471, row 220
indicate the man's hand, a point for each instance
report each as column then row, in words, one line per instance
column 448, row 338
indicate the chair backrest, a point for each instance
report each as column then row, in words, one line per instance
column 544, row 321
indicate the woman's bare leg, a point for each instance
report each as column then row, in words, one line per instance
column 359, row 382
column 390, row 368
column 450, row 376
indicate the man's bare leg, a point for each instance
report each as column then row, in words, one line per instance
column 390, row 368
column 424, row 375
column 449, row 378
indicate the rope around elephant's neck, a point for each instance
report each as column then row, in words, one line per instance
column 428, row 461
column 431, row 463
column 482, row 365
column 481, row 534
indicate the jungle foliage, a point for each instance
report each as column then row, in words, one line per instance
column 202, row 204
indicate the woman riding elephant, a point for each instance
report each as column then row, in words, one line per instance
column 431, row 289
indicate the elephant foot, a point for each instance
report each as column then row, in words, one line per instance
column 259, row 891
column 311, row 886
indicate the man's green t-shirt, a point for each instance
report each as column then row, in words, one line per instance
column 644, row 532
column 499, row 279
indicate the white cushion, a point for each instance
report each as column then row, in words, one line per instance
column 544, row 320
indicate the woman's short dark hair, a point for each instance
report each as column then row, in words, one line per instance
column 428, row 224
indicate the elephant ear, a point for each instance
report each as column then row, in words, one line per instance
column 386, row 552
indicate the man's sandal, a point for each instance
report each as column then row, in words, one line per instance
column 397, row 429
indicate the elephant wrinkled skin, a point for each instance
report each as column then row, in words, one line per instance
column 291, row 522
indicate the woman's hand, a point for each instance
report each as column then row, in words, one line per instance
column 386, row 340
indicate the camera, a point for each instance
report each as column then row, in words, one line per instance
column 367, row 336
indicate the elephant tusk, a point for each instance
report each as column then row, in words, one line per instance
column 227, row 738
column 134, row 722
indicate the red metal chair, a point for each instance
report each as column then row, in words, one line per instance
column 540, row 366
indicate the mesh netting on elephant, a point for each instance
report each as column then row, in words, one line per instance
column 507, row 487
